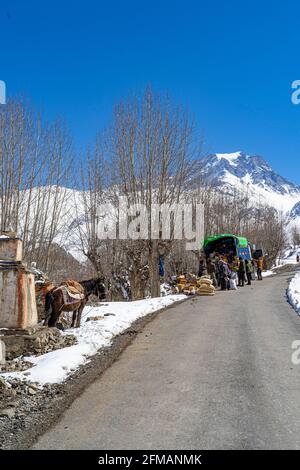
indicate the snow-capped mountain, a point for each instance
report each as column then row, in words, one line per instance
column 295, row 212
column 252, row 174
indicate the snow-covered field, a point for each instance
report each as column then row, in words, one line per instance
column 289, row 256
column 116, row 317
column 294, row 292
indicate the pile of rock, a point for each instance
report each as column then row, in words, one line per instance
column 8, row 400
column 39, row 341
column 50, row 339
column 12, row 392
column 15, row 366
column 96, row 318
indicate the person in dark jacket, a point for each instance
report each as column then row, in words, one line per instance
column 211, row 271
column 241, row 272
column 224, row 274
column 202, row 268
column 249, row 271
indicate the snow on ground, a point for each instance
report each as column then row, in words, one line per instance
column 55, row 366
column 167, row 289
column 293, row 292
column 268, row 273
column 289, row 256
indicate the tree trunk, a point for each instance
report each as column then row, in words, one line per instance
column 154, row 269
column 137, row 285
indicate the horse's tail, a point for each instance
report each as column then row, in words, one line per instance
column 48, row 308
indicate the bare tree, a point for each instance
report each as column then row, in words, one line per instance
column 147, row 148
column 150, row 146
column 34, row 167
column 295, row 236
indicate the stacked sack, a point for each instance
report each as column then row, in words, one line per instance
column 206, row 286
column 189, row 290
column 187, row 286
column 181, row 283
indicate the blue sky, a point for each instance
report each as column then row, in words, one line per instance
column 231, row 63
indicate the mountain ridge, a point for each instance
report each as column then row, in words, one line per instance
column 250, row 168
column 239, row 171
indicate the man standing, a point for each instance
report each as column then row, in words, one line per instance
column 259, row 269
column 241, row 272
column 224, row 274
column 211, row 271
column 202, row 269
column 249, row 270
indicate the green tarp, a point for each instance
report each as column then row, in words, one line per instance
column 242, row 242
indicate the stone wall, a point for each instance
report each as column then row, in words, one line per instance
column 17, row 297
column 11, row 249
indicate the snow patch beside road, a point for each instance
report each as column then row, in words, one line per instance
column 268, row 273
column 289, row 256
column 293, row 292
column 114, row 318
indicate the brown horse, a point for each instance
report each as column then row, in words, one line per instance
column 55, row 302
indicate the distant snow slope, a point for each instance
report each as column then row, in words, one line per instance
column 289, row 256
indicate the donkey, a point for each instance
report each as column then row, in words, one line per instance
column 55, row 303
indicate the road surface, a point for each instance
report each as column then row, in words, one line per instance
column 211, row 373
